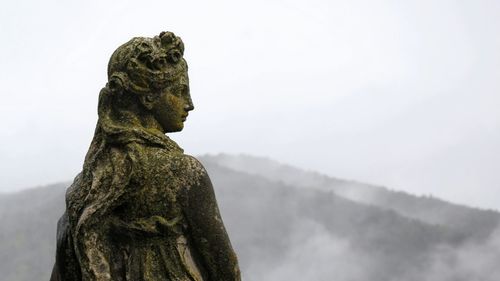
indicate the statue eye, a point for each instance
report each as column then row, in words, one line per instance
column 180, row 91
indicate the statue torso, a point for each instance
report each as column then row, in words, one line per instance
column 155, row 202
column 156, row 188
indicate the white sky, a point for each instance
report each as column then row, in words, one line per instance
column 403, row 94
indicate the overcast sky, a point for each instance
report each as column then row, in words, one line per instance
column 403, row 94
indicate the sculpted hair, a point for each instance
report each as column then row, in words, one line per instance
column 146, row 65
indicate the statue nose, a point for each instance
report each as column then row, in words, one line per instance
column 189, row 105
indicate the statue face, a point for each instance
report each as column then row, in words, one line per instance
column 172, row 108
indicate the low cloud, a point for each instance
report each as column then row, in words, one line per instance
column 473, row 261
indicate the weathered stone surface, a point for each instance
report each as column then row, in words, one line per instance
column 141, row 209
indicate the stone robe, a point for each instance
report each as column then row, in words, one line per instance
column 141, row 210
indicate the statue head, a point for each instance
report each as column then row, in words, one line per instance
column 147, row 77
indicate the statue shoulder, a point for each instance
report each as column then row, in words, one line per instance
column 192, row 170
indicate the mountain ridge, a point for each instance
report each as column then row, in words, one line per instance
column 285, row 232
column 429, row 209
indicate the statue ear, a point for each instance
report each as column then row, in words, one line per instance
column 148, row 101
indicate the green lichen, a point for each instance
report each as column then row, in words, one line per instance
column 141, row 209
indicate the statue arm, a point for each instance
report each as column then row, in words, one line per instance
column 208, row 232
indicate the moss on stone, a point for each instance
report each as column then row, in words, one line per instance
column 141, row 209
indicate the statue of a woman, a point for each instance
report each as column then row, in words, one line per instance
column 141, row 209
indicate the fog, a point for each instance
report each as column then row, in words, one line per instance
column 318, row 255
column 468, row 262
column 400, row 94
column 382, row 96
column 286, row 232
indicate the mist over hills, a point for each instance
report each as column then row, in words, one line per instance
column 290, row 224
column 28, row 221
column 470, row 221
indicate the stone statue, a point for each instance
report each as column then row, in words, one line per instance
column 141, row 209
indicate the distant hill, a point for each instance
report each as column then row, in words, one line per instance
column 289, row 224
column 27, row 232
column 469, row 221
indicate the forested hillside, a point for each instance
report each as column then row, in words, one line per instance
column 289, row 224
